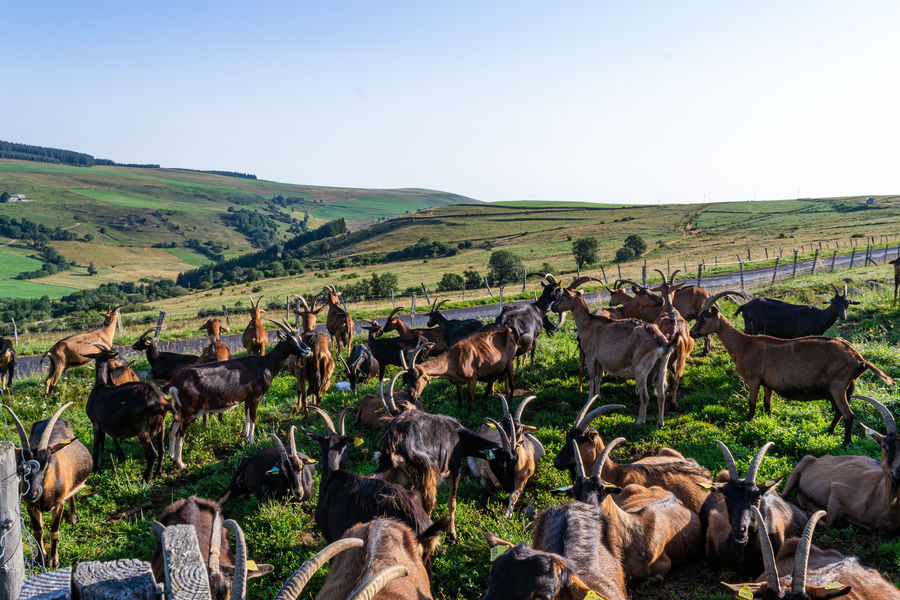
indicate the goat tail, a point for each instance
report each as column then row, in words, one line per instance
column 43, row 356
column 739, row 309
column 888, row 380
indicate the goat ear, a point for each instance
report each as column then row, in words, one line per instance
column 873, row 435
column 832, row 590
column 529, row 429
column 770, row 485
column 310, row 461
column 260, row 570
column 562, row 491
column 707, row 486
column 611, row 489
column 60, row 445
column 493, row 540
column 281, row 335
column 755, row 590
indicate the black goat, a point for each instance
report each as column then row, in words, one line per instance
column 7, row 363
column 163, row 365
column 453, row 329
column 347, row 499
column 388, row 351
column 274, row 472
column 766, row 316
column 133, row 409
column 361, row 365
column 417, row 448
column 220, row 386
column 527, row 320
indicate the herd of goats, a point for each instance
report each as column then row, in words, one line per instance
column 627, row 523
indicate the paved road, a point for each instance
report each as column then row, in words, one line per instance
column 28, row 365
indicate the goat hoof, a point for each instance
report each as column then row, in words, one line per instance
column 73, row 518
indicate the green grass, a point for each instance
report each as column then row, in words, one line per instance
column 11, row 263
column 116, row 507
column 188, row 256
column 14, row 288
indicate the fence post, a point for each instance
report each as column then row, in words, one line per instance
column 619, row 267
column 767, row 252
column 775, row 270
column 501, row 296
column 424, row 291
column 524, row 278
column 668, row 266
column 699, row 274
column 748, row 255
column 488, row 287
column 225, row 312
column 16, row 331
column 794, row 273
column 884, row 259
column 741, row 270
column 717, row 260
column 815, row 260
column 185, row 570
column 287, row 308
column 159, row 324
column 602, row 270
column 297, row 316
column 119, row 322
column 393, row 306
column 412, row 311
column 833, row 258
column 644, row 274
column 852, row 256
column 12, row 571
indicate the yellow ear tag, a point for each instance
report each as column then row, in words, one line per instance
column 769, row 483
column 491, row 426
column 706, row 487
column 744, row 593
column 310, row 461
column 496, row 551
column 592, row 595
column 251, row 565
column 358, row 442
column 834, row 585
column 67, row 442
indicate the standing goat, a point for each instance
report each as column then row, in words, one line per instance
column 805, row 369
column 430, row 334
column 674, row 326
column 163, row 365
column 55, row 465
column 313, row 372
column 255, row 339
column 361, row 365
column 7, row 364
column 528, row 319
column 216, row 350
column 120, row 372
column 339, row 323
column 390, row 351
column 856, row 489
column 69, row 352
column 452, row 329
column 220, row 386
column 765, row 316
column 896, row 263
column 517, row 441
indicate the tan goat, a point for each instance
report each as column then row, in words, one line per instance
column 70, row 352
column 216, row 350
column 312, row 373
column 255, row 338
column 339, row 323
column 670, row 322
column 432, row 334
column 375, row 410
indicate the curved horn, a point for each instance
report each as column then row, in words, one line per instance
column 158, row 529
column 258, row 301
column 885, row 413
column 403, row 360
column 757, row 461
column 583, row 411
column 521, row 409
column 296, row 582
column 503, row 437
column 22, row 436
column 146, row 333
column 551, row 279
column 281, row 450
column 419, row 348
column 371, row 586
column 393, row 407
column 715, row 297
column 598, row 466
column 729, row 461
column 344, row 362
column 393, row 312
column 215, row 544
column 506, row 413
column 438, row 306
column 663, row 275
column 845, row 289
column 281, row 326
column 601, row 410
column 834, row 287
column 328, row 422
column 239, row 582
column 801, row 559
column 632, row 282
column 292, row 439
column 341, row 419
column 45, row 437
column 579, row 465
column 768, row 553
column 672, row 276
column 580, row 281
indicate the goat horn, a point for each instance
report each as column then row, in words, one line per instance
column 672, row 276
column 551, row 279
column 632, row 282
column 158, row 529
column 26, row 447
column 371, row 586
column 341, row 419
column 584, row 409
column 328, row 422
column 845, row 289
column 304, row 302
column 293, row 441
column 598, row 466
column 885, row 413
column 419, row 348
column 215, row 544
column 146, row 333
column 757, row 461
column 768, row 553
column 285, row 328
column 393, row 407
column 801, row 559
column 506, row 414
column 834, row 287
column 503, row 437
column 48, row 431
column 281, row 450
column 403, row 360
column 296, row 582
column 729, row 461
column 384, row 402
column 579, row 465
column 393, row 312
column 440, row 304
column 663, row 275
column 520, row 409
column 580, row 281
column 239, row 582
column 715, row 297
column 251, row 302
column 344, row 362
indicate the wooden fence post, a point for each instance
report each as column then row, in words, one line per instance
column 297, row 316
column 794, row 273
column 119, row 323
column 815, row 260
column 488, row 287
column 775, row 270
column 412, row 311
column 159, row 324
column 524, row 278
column 852, row 256
column 619, row 267
column 741, row 271
column 186, row 572
column 699, row 274
column 393, row 306
column 225, row 312
column 833, row 258
column 602, row 270
column 644, row 274
column 748, row 255
column 12, row 558
column 767, row 252
column 16, row 331
column 501, row 296
column 424, row 291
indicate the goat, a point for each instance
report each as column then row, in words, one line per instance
column 673, row 325
column 805, row 369
column 135, row 409
column 486, row 355
column 54, row 467
column 517, row 440
column 120, row 372
column 430, row 334
column 216, row 350
column 765, row 316
column 220, row 386
column 418, row 448
column 730, row 520
column 386, row 544
column 347, row 499
column 816, row 574
column 643, row 305
column 857, row 489
column 452, row 329
column 163, row 365
column 313, row 372
column 274, row 472
column 390, row 351
column 338, row 322
column 625, row 348
column 225, row 576
column 361, row 365
column 896, row 263
column 7, row 364
column 527, row 320
column 255, row 339
column 68, row 352
column 668, row 469
column 376, row 409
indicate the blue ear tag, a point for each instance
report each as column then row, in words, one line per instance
column 489, row 454
column 273, row 470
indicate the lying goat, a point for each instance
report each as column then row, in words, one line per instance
column 810, row 368
column 765, row 316
column 375, row 410
column 54, row 467
column 856, row 489
column 163, row 365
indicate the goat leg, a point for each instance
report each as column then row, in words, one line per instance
column 37, row 530
column 57, row 513
column 99, row 438
column 754, row 395
column 120, row 454
column 451, row 505
column 149, row 453
column 73, row 514
column 767, row 399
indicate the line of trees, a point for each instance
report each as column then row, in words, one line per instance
column 34, row 233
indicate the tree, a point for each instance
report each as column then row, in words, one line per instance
column 4, row 197
column 636, row 243
column 585, row 251
column 88, row 237
column 450, row 281
column 92, row 270
column 505, row 266
column 624, row 254
column 473, row 278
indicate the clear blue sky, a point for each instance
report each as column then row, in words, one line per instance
column 595, row 101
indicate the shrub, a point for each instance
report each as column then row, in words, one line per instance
column 505, row 266
column 624, row 254
column 451, row 281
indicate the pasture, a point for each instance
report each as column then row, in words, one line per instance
column 116, row 507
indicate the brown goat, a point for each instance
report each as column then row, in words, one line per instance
column 216, row 350
column 807, row 368
column 312, row 373
column 70, row 352
column 431, row 334
column 896, row 263
column 339, row 323
column 673, row 326
column 120, row 372
column 375, row 410
column 857, row 489
column 255, row 338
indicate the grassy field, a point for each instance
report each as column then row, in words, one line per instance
column 116, row 507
